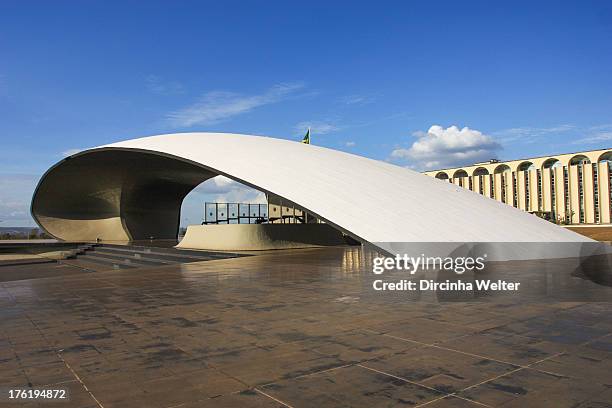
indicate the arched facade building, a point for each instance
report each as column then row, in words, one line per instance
column 572, row 188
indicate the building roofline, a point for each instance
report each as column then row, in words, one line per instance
column 513, row 160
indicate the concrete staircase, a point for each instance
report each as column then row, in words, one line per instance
column 99, row 257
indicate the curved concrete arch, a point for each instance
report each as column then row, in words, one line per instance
column 460, row 173
column 580, row 157
column 549, row 163
column 605, row 156
column 502, row 168
column 442, row 175
column 525, row 166
column 115, row 195
column 480, row 171
column 134, row 189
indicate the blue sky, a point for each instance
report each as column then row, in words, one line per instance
column 525, row 78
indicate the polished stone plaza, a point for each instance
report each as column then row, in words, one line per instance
column 296, row 329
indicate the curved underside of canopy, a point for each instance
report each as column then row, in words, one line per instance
column 134, row 189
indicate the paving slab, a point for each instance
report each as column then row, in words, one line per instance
column 295, row 329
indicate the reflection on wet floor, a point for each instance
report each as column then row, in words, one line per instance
column 303, row 328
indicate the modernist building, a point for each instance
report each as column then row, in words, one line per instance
column 572, row 188
column 133, row 190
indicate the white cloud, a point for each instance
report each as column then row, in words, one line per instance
column 242, row 196
column 450, row 147
column 595, row 138
column 216, row 106
column 349, row 144
column 356, row 100
column 224, row 182
column 530, row 134
column 223, row 189
column 570, row 134
column 158, row 85
column 70, row 152
column 316, row 128
column 607, row 126
column 218, row 185
column 15, row 194
column 219, row 189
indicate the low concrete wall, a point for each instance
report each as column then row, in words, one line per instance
column 254, row 237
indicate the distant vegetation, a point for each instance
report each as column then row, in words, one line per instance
column 22, row 233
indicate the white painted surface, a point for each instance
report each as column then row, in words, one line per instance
column 372, row 200
column 257, row 237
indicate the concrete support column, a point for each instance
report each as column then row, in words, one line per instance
column 520, row 179
column 546, row 190
column 510, row 187
column 488, row 180
column 533, row 190
column 588, row 188
column 560, row 192
column 574, row 195
column 498, row 187
column 605, row 207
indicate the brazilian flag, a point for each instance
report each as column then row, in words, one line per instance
column 306, row 138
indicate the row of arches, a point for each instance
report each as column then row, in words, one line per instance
column 524, row 166
column 570, row 189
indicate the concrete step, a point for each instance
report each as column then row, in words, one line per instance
column 160, row 259
column 99, row 257
column 172, row 255
column 26, row 261
column 174, row 251
column 88, row 266
column 126, row 257
column 112, row 263
column 79, row 250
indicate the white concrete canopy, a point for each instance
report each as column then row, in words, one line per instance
column 371, row 200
